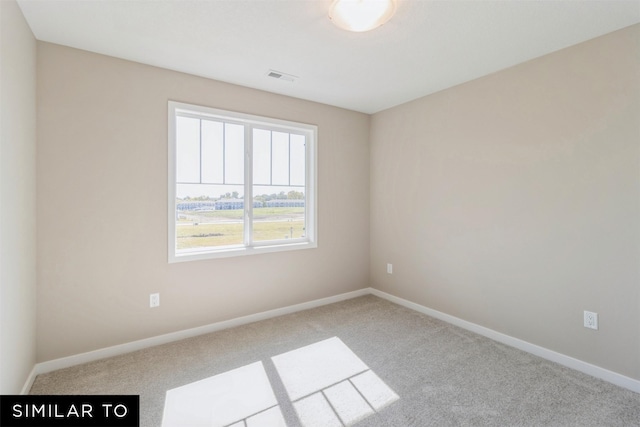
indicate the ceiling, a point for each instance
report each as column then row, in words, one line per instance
column 427, row 46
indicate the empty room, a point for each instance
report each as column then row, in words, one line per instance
column 319, row 213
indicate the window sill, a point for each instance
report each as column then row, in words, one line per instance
column 228, row 252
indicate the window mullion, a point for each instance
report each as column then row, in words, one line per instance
column 309, row 190
column 200, row 142
column 224, row 153
column 248, row 187
column 270, row 157
column 289, row 160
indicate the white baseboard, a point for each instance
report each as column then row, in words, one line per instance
column 30, row 379
column 66, row 362
column 569, row 362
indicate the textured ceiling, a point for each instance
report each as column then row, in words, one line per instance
column 426, row 47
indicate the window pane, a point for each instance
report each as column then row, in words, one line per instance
column 298, row 159
column 280, row 153
column 234, row 154
column 278, row 213
column 187, row 149
column 261, row 156
column 209, row 216
column 212, row 152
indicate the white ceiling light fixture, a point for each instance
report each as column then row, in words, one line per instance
column 361, row 15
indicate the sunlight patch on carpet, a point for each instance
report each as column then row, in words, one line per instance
column 326, row 382
column 239, row 395
column 317, row 366
column 329, row 385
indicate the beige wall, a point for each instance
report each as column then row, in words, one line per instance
column 17, row 199
column 513, row 201
column 102, row 203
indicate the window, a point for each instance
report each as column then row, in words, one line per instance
column 239, row 184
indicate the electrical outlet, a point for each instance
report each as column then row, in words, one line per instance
column 591, row 320
column 154, row 300
column 389, row 268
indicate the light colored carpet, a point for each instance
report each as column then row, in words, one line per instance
column 442, row 375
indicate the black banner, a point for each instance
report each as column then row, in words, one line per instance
column 70, row 411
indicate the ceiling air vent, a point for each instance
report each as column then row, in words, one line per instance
column 281, row 76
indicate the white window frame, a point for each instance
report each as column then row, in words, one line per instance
column 249, row 121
